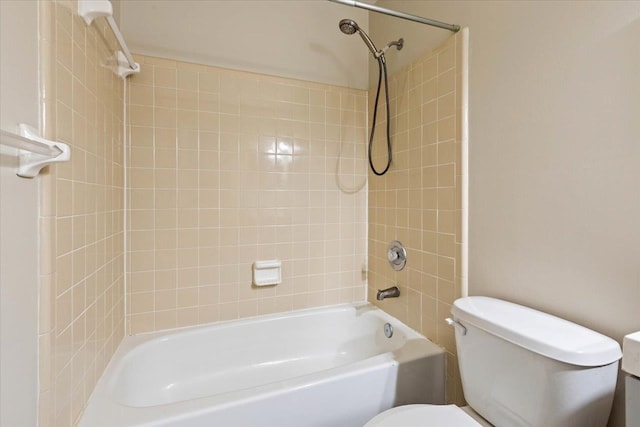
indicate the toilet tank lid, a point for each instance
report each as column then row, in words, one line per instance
column 536, row 331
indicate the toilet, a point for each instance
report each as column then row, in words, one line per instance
column 521, row 367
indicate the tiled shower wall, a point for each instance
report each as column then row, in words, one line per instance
column 82, row 219
column 419, row 201
column 227, row 168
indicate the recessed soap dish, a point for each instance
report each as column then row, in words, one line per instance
column 267, row 273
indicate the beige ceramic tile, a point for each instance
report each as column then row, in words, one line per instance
column 86, row 195
column 201, row 190
column 423, row 181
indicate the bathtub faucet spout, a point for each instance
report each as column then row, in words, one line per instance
column 392, row 292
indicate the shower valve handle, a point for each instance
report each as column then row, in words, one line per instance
column 396, row 255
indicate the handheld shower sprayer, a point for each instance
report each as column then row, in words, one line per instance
column 349, row 26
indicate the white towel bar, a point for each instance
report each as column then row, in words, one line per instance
column 34, row 152
column 92, row 9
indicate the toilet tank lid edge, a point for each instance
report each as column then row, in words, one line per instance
column 536, row 331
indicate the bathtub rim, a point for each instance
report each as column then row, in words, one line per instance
column 130, row 342
column 101, row 404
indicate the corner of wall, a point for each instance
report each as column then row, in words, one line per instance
column 421, row 201
column 82, row 232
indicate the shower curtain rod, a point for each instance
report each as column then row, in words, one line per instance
column 415, row 18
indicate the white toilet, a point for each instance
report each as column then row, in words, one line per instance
column 521, row 367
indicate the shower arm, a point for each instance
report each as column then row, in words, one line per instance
column 398, row 44
column 408, row 16
column 379, row 54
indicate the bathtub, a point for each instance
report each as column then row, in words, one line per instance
column 331, row 366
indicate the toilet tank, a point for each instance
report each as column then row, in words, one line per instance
column 522, row 367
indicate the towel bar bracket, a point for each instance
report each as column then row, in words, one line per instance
column 31, row 163
column 90, row 10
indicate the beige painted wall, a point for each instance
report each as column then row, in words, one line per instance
column 297, row 39
column 18, row 219
column 554, row 153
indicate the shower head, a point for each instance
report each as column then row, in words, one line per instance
column 349, row 26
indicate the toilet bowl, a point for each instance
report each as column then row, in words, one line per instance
column 428, row 416
column 521, row 367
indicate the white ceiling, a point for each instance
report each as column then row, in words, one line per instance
column 296, row 39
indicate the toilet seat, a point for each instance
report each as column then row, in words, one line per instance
column 423, row 416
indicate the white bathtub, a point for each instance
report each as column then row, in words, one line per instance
column 331, row 366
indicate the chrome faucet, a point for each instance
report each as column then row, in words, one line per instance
column 392, row 292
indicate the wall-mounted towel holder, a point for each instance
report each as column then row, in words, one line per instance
column 92, row 9
column 34, row 152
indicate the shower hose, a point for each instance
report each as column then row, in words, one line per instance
column 382, row 69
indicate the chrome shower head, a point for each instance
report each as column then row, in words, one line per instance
column 349, row 26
